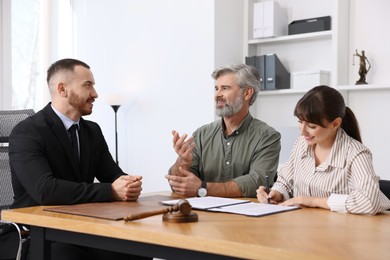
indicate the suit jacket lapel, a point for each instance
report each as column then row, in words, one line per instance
column 85, row 151
column 60, row 132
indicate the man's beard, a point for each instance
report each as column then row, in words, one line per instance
column 77, row 102
column 231, row 109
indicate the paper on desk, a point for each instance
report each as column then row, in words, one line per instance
column 208, row 202
column 254, row 209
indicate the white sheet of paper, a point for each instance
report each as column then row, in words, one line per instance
column 254, row 209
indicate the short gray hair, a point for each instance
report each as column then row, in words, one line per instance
column 247, row 77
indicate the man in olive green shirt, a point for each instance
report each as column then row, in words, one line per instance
column 229, row 157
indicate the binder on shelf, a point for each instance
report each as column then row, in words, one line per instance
column 273, row 74
column 260, row 66
column 269, row 20
column 276, row 75
column 250, row 61
column 258, row 63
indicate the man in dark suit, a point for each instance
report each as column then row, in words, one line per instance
column 48, row 170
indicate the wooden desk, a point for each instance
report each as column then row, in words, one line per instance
column 300, row 234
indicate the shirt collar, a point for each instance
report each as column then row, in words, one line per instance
column 337, row 149
column 65, row 120
column 241, row 128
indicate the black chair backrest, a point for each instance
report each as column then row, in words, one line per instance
column 384, row 186
column 6, row 191
column 8, row 120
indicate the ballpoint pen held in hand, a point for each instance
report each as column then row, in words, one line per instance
column 267, row 188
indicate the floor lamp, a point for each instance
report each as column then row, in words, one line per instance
column 116, row 107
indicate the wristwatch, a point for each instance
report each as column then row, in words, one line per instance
column 202, row 190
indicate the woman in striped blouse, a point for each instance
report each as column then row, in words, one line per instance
column 329, row 167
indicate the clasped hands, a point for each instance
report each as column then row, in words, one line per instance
column 183, row 181
column 127, row 188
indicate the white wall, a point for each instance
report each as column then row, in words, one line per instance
column 228, row 32
column 1, row 55
column 369, row 22
column 5, row 54
column 160, row 55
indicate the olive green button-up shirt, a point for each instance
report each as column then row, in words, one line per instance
column 249, row 154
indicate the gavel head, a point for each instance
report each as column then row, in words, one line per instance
column 184, row 207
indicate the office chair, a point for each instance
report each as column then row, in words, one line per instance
column 8, row 120
column 384, row 186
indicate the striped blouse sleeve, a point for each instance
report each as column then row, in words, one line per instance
column 365, row 196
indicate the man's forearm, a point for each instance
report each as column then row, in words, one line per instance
column 228, row 189
column 174, row 170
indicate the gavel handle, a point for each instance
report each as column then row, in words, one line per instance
column 136, row 216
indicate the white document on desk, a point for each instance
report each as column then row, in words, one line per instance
column 208, row 202
column 254, row 209
column 235, row 206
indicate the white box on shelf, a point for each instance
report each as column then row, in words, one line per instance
column 269, row 20
column 309, row 79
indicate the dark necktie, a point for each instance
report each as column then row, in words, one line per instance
column 73, row 139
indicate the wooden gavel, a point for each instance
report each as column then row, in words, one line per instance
column 183, row 206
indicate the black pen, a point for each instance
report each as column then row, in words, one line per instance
column 267, row 188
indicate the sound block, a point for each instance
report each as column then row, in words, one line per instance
column 179, row 217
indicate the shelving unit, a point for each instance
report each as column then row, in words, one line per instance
column 349, row 88
column 292, row 38
column 326, row 50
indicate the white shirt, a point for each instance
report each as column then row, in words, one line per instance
column 65, row 120
column 346, row 178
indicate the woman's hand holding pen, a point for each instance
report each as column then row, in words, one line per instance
column 273, row 196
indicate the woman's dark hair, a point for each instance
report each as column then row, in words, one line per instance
column 324, row 104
